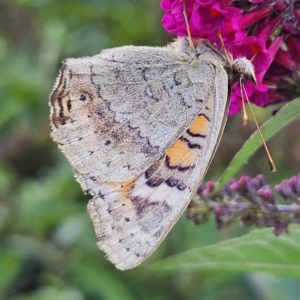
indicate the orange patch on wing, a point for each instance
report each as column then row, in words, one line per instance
column 127, row 186
column 199, row 126
column 181, row 155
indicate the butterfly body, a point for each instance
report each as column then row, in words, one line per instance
column 140, row 126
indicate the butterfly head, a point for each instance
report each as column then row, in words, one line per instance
column 243, row 70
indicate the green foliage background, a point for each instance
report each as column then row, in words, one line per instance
column 47, row 242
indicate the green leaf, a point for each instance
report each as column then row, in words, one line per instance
column 257, row 251
column 284, row 117
column 100, row 281
column 50, row 293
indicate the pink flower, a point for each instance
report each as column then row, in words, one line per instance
column 257, row 93
column 247, row 32
column 173, row 20
column 206, row 18
column 294, row 48
column 253, row 47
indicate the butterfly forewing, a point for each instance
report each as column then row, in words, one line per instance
column 114, row 117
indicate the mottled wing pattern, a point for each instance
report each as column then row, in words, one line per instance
column 117, row 113
column 132, row 218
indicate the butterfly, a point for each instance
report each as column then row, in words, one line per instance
column 140, row 126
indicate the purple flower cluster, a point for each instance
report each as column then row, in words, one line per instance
column 251, row 201
column 267, row 32
column 289, row 189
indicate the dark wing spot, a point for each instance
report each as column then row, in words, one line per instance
column 69, row 105
column 183, row 169
column 154, row 182
column 190, row 144
column 205, row 116
column 179, row 168
column 181, row 186
column 168, row 160
column 195, row 135
column 82, row 97
column 153, row 169
column 171, row 182
column 101, row 195
column 144, row 207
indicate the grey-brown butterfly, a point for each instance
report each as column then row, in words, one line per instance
column 140, row 126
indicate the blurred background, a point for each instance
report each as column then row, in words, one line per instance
column 47, row 242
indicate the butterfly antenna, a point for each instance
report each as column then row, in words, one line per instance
column 187, row 26
column 271, row 162
column 223, row 47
